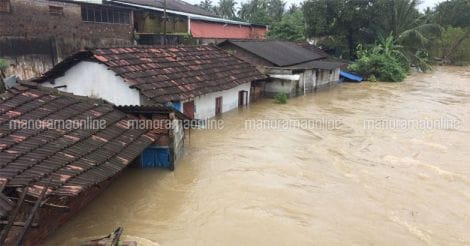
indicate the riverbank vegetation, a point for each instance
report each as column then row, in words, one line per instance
column 382, row 36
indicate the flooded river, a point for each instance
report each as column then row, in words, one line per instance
column 365, row 180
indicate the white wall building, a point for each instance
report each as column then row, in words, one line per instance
column 199, row 92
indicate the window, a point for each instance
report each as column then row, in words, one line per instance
column 105, row 15
column 5, row 6
column 54, row 10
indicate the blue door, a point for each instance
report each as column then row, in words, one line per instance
column 176, row 105
column 155, row 156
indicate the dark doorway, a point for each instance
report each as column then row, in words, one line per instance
column 188, row 109
column 242, row 98
column 218, row 105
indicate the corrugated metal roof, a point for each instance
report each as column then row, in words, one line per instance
column 164, row 74
column 176, row 5
column 279, row 53
column 75, row 158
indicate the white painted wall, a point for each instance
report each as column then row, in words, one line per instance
column 205, row 104
column 95, row 80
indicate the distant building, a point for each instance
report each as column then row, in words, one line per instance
column 60, row 151
column 36, row 35
column 291, row 68
column 200, row 81
column 185, row 21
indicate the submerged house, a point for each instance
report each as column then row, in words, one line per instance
column 57, row 152
column 199, row 81
column 291, row 68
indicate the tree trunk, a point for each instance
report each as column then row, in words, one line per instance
column 351, row 44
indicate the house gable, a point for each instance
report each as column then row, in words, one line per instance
column 95, row 80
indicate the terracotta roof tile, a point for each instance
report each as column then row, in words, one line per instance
column 75, row 158
column 163, row 74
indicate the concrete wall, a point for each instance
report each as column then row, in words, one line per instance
column 308, row 80
column 94, row 80
column 178, row 139
column 327, row 77
column 32, row 39
column 205, row 104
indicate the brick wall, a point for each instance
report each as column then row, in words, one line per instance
column 32, row 39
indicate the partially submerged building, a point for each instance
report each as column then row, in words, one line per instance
column 184, row 21
column 57, row 152
column 200, row 81
column 36, row 35
column 291, row 68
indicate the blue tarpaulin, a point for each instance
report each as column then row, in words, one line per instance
column 350, row 76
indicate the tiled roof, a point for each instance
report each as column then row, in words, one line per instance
column 65, row 159
column 164, row 74
column 279, row 53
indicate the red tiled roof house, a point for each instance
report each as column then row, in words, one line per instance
column 201, row 81
column 57, row 167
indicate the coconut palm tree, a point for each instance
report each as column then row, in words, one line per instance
column 226, row 9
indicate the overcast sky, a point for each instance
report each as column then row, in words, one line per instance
column 424, row 5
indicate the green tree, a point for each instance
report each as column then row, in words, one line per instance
column 291, row 27
column 383, row 61
column 276, row 9
column 454, row 13
column 3, row 67
column 255, row 11
column 207, row 5
column 346, row 20
column 226, row 9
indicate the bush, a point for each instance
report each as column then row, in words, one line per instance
column 281, row 98
column 381, row 66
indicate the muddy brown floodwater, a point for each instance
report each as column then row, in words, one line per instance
column 357, row 184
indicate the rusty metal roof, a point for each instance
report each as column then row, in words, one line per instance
column 164, row 74
column 72, row 159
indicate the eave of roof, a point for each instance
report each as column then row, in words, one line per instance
column 151, row 109
column 317, row 64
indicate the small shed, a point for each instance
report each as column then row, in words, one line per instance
column 291, row 68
